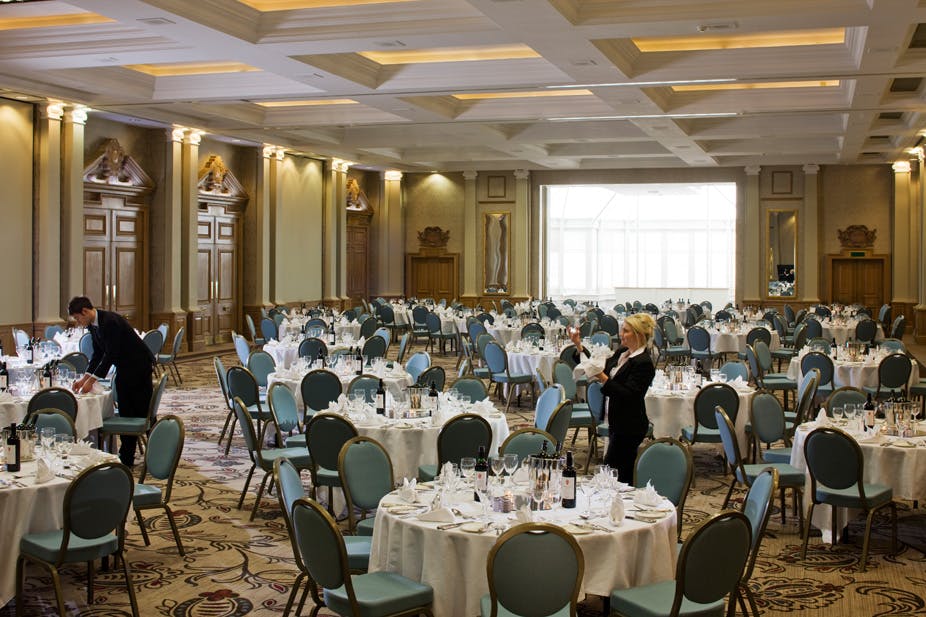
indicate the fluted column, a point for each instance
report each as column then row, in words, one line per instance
column 471, row 228
column 390, row 231
column 808, row 281
column 189, row 240
column 334, row 234
column 46, row 223
column 520, row 258
column 257, row 236
column 753, row 273
column 72, row 203
column 919, row 205
column 902, row 252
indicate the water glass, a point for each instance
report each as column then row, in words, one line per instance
column 498, row 466
column 468, row 467
column 47, row 439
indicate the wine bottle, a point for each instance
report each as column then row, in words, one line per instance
column 381, row 399
column 30, row 351
column 320, row 359
column 569, row 483
column 869, row 412
column 12, row 450
column 482, row 472
column 4, row 378
column 47, row 376
column 432, row 399
column 332, row 337
column 358, row 360
column 833, row 349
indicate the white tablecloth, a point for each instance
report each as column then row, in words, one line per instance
column 855, row 374
column 395, row 382
column 843, row 332
column 901, row 468
column 504, row 334
column 91, row 410
column 735, row 342
column 671, row 411
column 529, row 363
column 453, row 561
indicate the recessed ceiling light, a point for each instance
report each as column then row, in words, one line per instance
column 475, row 96
column 759, row 85
column 451, row 54
column 156, row 21
column 191, row 68
column 306, row 103
column 788, row 38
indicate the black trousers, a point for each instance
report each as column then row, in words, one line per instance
column 622, row 454
column 133, row 390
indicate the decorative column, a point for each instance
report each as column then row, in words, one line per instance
column 334, row 234
column 471, row 289
column 390, row 267
column 189, row 241
column 256, row 237
column 519, row 276
column 72, row 203
column 902, row 250
column 752, row 272
column 808, row 281
column 46, row 221
column 274, row 158
column 919, row 205
column 166, row 239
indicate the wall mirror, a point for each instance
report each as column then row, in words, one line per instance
column 496, row 235
column 781, row 261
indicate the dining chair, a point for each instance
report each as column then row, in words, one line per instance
column 169, row 360
column 54, row 418
column 220, row 373
column 258, row 341
column 85, row 345
column 710, row 567
column 705, row 429
column 837, row 478
column 884, row 315
column 898, row 327
column 383, row 333
column 374, row 594
column 242, row 349
column 262, row 457
column 518, row 587
column 761, row 371
column 733, row 369
column 77, row 361
column 319, row 389
column 814, row 327
column 432, row 375
column 419, row 361
column 667, row 464
column 51, row 331
column 403, row 347
column 419, row 327
column 96, row 504
column 472, row 387
column 261, row 364
column 326, row 434
column 767, row 419
column 866, row 330
column 500, row 375
column 311, row 347
column 558, row 423
column 841, row 396
column 823, row 363
column 285, row 414
column 365, row 471
column 533, row 330
column 367, row 384
column 755, row 334
column 54, row 397
column 487, row 318
column 789, row 477
column 892, row 345
column 527, row 441
column 165, row 444
column 374, row 347
column 437, row 335
column 699, row 342
column 757, row 507
column 128, row 425
column 581, row 414
column 820, row 344
column 268, row 329
column 893, row 374
column 461, row 436
column 242, row 384
column 369, row 327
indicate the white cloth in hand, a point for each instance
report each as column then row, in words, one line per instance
column 647, row 496
column 43, row 472
column 593, row 366
column 617, row 510
column 408, row 492
column 524, row 515
column 437, row 515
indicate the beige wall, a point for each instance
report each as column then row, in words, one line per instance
column 433, row 200
column 856, row 195
column 16, row 212
column 298, row 235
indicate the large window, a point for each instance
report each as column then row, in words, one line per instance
column 659, row 237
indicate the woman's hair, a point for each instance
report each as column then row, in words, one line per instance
column 644, row 326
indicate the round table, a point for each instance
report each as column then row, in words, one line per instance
column 453, row 561
column 395, row 380
column 671, row 410
column 91, row 410
column 529, row 362
column 735, row 341
column 862, row 374
column 844, row 331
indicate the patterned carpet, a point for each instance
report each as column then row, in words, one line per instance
column 233, row 567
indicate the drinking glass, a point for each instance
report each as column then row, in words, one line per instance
column 47, row 439
column 537, row 495
column 498, row 466
column 64, row 443
column 839, row 414
column 850, row 413
column 468, row 467
column 511, row 464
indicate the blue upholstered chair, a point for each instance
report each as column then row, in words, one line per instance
column 461, row 436
column 497, row 360
column 325, row 435
column 472, row 387
column 165, row 444
column 319, row 389
column 365, row 471
column 667, row 464
column 169, row 360
column 139, row 427
column 285, row 413
column 54, row 418
column 526, row 441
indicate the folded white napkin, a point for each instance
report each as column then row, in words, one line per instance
column 822, row 419
column 524, row 515
column 437, row 515
column 446, row 470
column 738, row 383
column 407, row 491
column 375, row 420
column 96, row 388
column 617, row 510
column 43, row 472
column 82, row 448
column 868, row 436
column 647, row 496
column 337, row 406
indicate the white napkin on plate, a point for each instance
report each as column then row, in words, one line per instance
column 408, row 492
column 437, row 515
column 338, row 405
column 617, row 510
column 82, row 448
column 822, row 419
column 447, row 470
column 43, row 472
column 647, row 496
column 524, row 515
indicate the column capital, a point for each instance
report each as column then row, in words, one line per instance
column 470, row 174
column 340, row 165
column 901, row 167
column 54, row 110
column 192, row 137
column 392, row 175
column 753, row 170
column 811, row 169
column 269, row 151
column 522, row 174
column 175, row 134
column 76, row 114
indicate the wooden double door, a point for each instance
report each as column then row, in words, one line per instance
column 218, row 277
column 115, row 261
column 862, row 280
column 432, row 276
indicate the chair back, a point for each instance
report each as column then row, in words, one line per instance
column 85, row 345
column 898, row 327
column 712, row 560
column 486, row 317
column 562, row 375
column 671, row 331
column 763, row 356
column 667, row 464
column 767, row 418
column 754, row 367
column 289, row 486
column 384, row 334
column 368, row 327
column 51, row 331
column 821, row 362
column 375, row 347
column 595, row 399
column 526, row 441
column 799, row 337
column 242, row 349
column 416, row 365
column 601, row 338
column 165, row 444
column 249, row 321
column 473, row 387
column 54, row 398
column 310, row 347
column 866, row 330
column 261, row 364
column 733, row 369
column 365, row 470
column 319, row 389
column 462, row 436
column 547, row 403
column 243, row 385
column 496, row 358
column 97, row 502
column 608, row 324
column 894, row 371
column 387, row 314
column 893, row 345
column 283, row 407
column 20, row 337
column 78, row 361
column 533, row 329
column 814, row 327
column 367, row 384
column 884, row 314
column 326, row 434
column 818, row 344
column 519, row 587
column 567, row 355
column 268, row 329
column 758, row 334
column 433, row 375
column 709, row 397
column 834, row 460
column 558, row 425
column 757, row 507
column 699, row 339
column 806, row 392
column 403, row 347
column 321, row 545
column 153, row 340
column 731, row 447
column 54, row 418
column 842, row 396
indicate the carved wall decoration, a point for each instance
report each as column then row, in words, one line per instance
column 115, row 172
column 218, row 186
column 857, row 237
column 433, row 237
column 357, row 200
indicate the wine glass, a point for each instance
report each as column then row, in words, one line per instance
column 839, row 414
column 47, row 439
column 511, row 464
column 498, row 467
column 537, row 495
column 64, row 443
column 468, row 467
column 851, row 410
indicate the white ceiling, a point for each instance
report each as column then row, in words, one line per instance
column 405, row 116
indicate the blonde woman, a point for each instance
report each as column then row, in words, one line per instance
column 625, row 379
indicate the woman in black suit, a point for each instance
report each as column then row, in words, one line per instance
column 625, row 379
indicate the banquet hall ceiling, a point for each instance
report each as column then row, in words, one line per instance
column 494, row 84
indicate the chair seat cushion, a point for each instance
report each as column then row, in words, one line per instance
column 875, row 494
column 482, row 373
column 327, row 477
column 788, row 476
column 485, row 605
column 777, row 455
column 295, row 441
column 656, row 599
column 358, row 551
column 426, row 473
column 297, row 456
column 124, row 424
column 705, row 435
column 582, row 417
column 165, row 357
column 45, row 546
column 365, row 527
column 378, row 594
column 779, row 382
column 146, row 495
column 508, row 378
column 603, row 430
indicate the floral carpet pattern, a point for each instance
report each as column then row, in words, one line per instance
column 234, row 567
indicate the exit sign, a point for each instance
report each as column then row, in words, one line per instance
column 856, row 253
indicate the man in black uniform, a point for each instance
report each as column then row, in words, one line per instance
column 115, row 343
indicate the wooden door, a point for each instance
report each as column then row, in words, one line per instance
column 96, row 275
column 859, row 280
column 357, row 263
column 217, row 276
